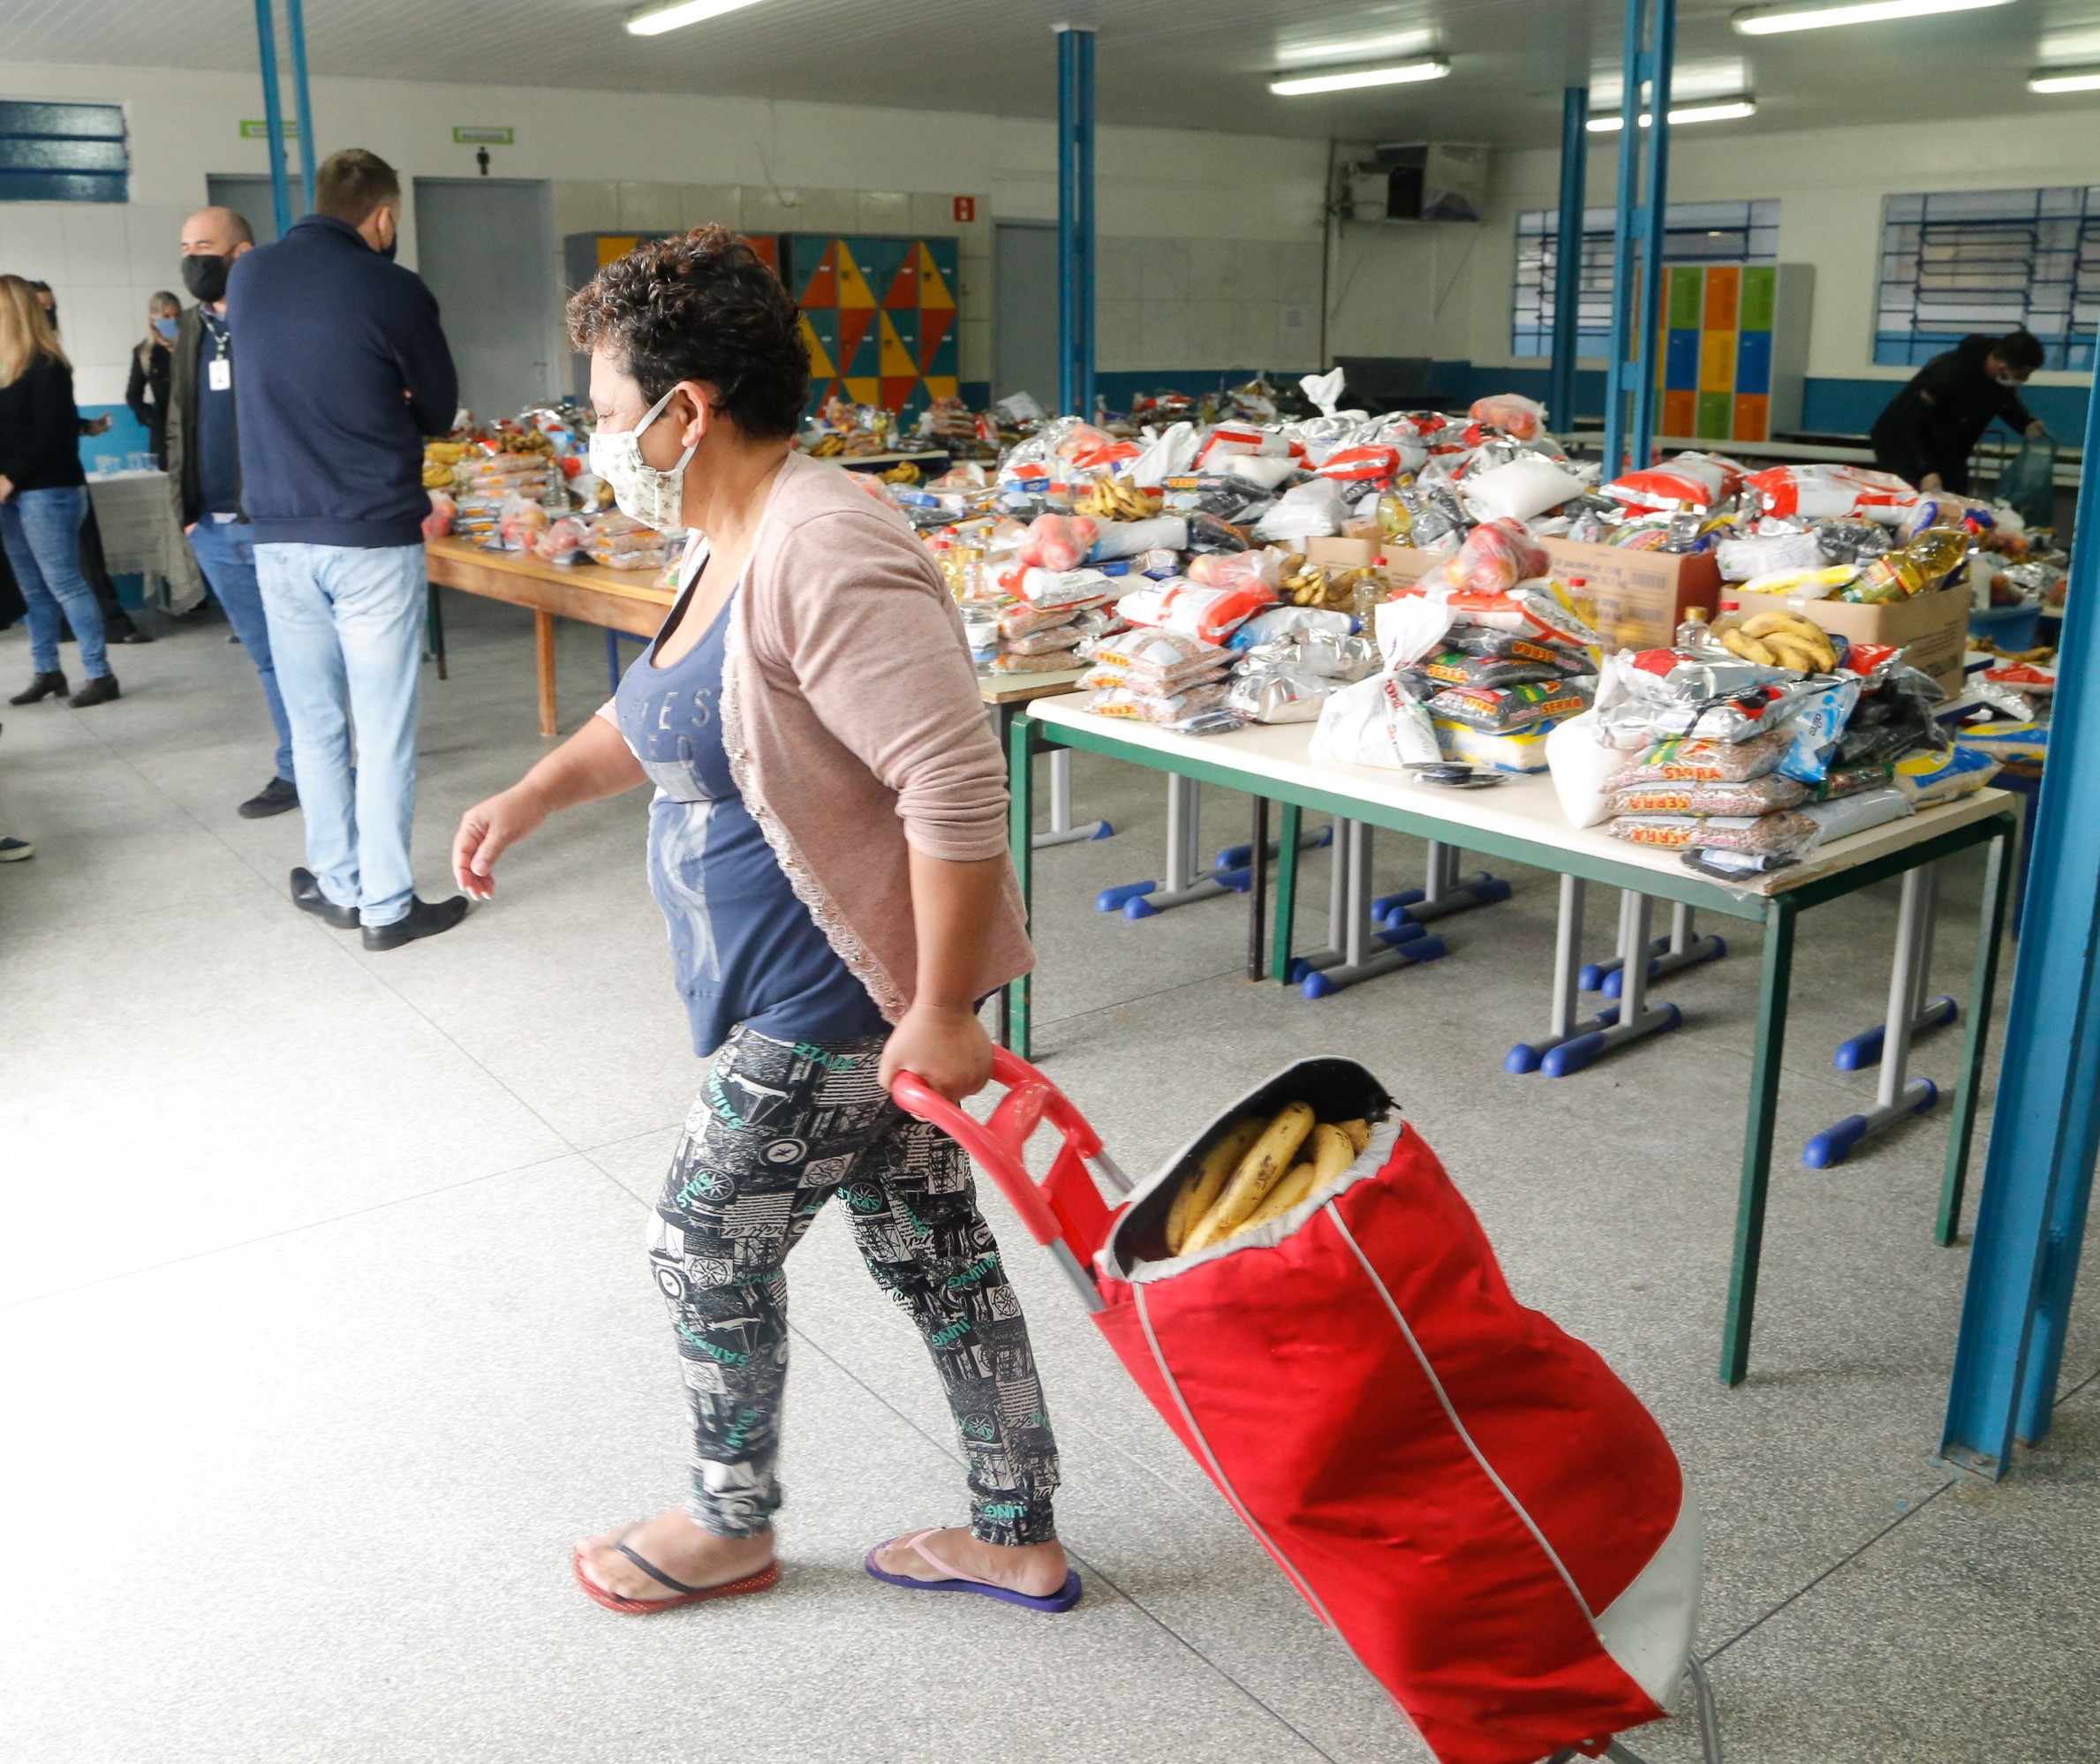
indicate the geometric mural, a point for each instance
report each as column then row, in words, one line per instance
column 877, row 315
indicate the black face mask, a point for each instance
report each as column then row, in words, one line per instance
column 204, row 277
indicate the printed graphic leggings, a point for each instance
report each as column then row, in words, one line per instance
column 778, row 1129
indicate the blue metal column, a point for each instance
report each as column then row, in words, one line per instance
column 2038, row 1174
column 1567, row 256
column 1655, row 195
column 1075, row 218
column 273, row 113
column 295, row 22
column 1638, row 222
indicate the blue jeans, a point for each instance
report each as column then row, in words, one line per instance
column 226, row 555
column 42, row 531
column 346, row 629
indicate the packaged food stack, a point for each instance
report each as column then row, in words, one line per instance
column 1159, row 677
column 621, row 543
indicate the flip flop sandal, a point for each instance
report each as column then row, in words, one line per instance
column 768, row 1576
column 1063, row 1599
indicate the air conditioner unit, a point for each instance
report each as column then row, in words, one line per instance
column 1418, row 181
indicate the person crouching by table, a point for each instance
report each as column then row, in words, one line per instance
column 203, row 452
column 43, row 499
column 1930, row 428
column 827, row 842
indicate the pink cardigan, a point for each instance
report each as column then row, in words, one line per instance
column 854, row 730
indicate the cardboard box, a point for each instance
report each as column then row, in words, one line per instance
column 1641, row 596
column 1346, row 554
column 1406, row 564
column 1933, row 627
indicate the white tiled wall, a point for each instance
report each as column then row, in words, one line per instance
column 1167, row 303
column 103, row 260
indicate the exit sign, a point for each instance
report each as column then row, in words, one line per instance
column 259, row 130
column 484, row 134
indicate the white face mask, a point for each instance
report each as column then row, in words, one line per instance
column 2009, row 380
column 656, row 499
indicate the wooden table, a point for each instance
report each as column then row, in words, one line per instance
column 624, row 600
column 1521, row 820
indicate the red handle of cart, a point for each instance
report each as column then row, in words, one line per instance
column 1064, row 1211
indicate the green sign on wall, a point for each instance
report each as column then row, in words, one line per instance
column 259, row 130
column 484, row 134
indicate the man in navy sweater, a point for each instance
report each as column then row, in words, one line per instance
column 343, row 371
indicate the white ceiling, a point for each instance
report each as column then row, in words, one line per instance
column 1186, row 63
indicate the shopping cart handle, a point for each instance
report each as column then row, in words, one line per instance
column 1065, row 1207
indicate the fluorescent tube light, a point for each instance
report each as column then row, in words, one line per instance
column 654, row 21
column 1691, row 113
column 1357, row 49
column 1400, row 73
column 1766, row 21
column 2065, row 79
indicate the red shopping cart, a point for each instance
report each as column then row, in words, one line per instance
column 1469, row 1496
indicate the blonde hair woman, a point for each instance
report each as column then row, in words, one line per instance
column 43, row 497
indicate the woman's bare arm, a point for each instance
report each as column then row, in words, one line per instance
column 939, row 1037
column 593, row 762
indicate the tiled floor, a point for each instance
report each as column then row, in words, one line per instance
column 326, row 1327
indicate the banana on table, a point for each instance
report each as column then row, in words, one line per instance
column 1110, row 499
column 1256, row 1173
column 1782, row 640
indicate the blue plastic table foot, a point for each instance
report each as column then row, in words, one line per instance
column 1864, row 1049
column 1836, row 1143
column 1490, row 891
column 1592, row 976
column 1316, row 985
column 1521, row 1059
column 1106, row 832
column 1297, row 970
column 1238, row 880
column 1401, row 930
column 1140, row 909
column 1573, row 1056
column 1112, row 900
column 1386, row 905
column 1427, row 948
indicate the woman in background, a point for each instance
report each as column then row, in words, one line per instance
column 43, row 497
column 146, row 394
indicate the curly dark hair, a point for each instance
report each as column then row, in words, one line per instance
column 703, row 306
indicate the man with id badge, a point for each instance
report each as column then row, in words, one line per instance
column 204, row 468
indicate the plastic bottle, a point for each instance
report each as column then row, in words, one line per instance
column 1693, row 633
column 1920, row 565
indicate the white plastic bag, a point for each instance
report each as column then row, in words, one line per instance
column 1168, row 454
column 1127, row 539
column 1313, row 509
column 1526, row 486
column 1378, row 721
column 1579, row 764
column 1262, row 471
column 1324, row 390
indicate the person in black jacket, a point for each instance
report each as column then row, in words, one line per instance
column 1932, row 424
column 204, row 469
column 145, row 393
column 43, row 497
column 343, row 370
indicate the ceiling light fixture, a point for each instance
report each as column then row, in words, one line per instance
column 655, row 20
column 2065, row 79
column 1400, row 73
column 1768, row 21
column 1734, row 108
column 1357, row 49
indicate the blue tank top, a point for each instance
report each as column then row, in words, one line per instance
column 743, row 948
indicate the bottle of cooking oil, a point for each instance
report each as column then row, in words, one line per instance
column 1922, row 564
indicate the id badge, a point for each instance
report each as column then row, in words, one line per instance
column 218, row 374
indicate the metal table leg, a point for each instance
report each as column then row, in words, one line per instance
column 1061, row 832
column 1900, row 1097
column 1770, row 1047
column 1961, row 1124
column 1684, row 947
column 1257, row 889
column 433, row 627
column 1568, row 955
column 1857, row 1052
column 1286, row 892
column 1445, row 891
column 1633, row 1018
column 1020, row 745
column 1352, row 930
column 1187, row 880
column 1238, row 856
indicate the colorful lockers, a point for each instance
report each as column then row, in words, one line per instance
column 1734, row 350
column 879, row 316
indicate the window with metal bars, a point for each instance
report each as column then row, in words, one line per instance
column 1990, row 261
column 1693, row 232
column 63, row 153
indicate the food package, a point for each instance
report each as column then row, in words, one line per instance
column 648, row 558
column 1756, row 554
column 1057, row 542
column 1331, row 655
column 1521, row 490
column 443, row 512
column 980, row 631
column 1054, row 661
column 1455, row 667
column 1786, row 834
column 1681, row 760
column 1486, row 640
column 1279, row 692
column 1499, row 709
column 1166, row 455
column 1208, row 614
column 1379, row 721
column 1581, row 765
column 1368, row 464
column 1647, row 696
column 1809, row 584
column 1532, row 610
column 1927, row 778
column 1072, row 588
column 1495, row 557
column 1848, row 780
column 1699, row 479
column 2023, row 743
column 1857, row 813
column 1313, row 509
column 1162, row 660
column 1237, row 569
column 1517, row 750
column 1753, row 796
column 1057, row 638
column 1234, row 439
column 563, row 541
column 1163, row 708
column 1279, row 621
column 1822, row 492
column 1021, row 619
column 1128, row 539
column 1816, row 728
column 1511, row 412
column 1264, row 471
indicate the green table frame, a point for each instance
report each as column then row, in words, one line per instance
column 1778, row 913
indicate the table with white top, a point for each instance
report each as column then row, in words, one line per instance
column 1520, row 820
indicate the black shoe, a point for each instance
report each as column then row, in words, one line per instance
column 424, row 918
column 100, row 688
column 14, row 851
column 307, row 897
column 134, row 635
column 40, row 686
column 274, row 798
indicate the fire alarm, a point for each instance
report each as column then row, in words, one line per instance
column 965, row 208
